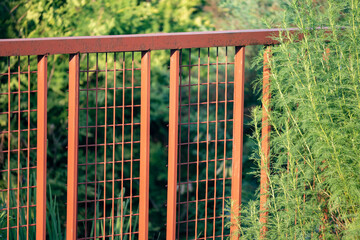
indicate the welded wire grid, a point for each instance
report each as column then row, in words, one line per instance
column 109, row 145
column 205, row 142
column 18, row 147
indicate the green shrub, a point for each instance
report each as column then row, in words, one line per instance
column 315, row 140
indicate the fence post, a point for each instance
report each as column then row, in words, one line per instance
column 73, row 141
column 41, row 147
column 265, row 144
column 173, row 144
column 237, row 151
column 144, row 145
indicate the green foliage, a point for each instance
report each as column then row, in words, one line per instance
column 56, row 18
column 28, row 215
column 255, row 14
column 120, row 226
column 23, row 214
column 315, row 141
column 53, row 222
column 249, row 14
column 43, row 18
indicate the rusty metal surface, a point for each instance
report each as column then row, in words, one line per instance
column 265, row 144
column 138, row 42
column 19, row 166
column 41, row 148
column 238, row 127
column 199, row 170
column 73, row 142
column 173, row 142
column 113, row 165
column 112, row 100
column 144, row 146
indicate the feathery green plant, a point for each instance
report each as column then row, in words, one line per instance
column 314, row 183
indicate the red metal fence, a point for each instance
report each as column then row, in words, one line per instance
column 205, row 133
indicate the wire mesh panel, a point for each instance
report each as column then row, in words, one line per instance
column 18, row 133
column 109, row 146
column 109, row 128
column 204, row 142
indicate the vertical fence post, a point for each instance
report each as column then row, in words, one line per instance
column 41, row 147
column 265, row 144
column 144, row 145
column 73, row 141
column 237, row 151
column 173, row 144
column 326, row 57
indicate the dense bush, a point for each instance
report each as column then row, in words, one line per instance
column 314, row 179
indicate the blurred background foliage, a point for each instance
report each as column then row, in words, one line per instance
column 59, row 18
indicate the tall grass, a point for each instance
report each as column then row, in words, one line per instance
column 53, row 224
column 22, row 212
column 314, row 178
column 120, row 226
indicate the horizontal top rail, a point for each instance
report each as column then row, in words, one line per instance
column 138, row 42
